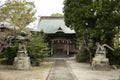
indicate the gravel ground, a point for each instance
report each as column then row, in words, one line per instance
column 82, row 71
column 35, row 73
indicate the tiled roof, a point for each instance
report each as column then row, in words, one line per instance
column 51, row 24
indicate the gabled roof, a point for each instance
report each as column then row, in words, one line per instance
column 51, row 24
column 60, row 30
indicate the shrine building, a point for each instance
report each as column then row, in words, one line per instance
column 61, row 39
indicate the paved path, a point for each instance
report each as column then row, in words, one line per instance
column 60, row 71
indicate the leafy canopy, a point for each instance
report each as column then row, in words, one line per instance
column 93, row 19
column 18, row 12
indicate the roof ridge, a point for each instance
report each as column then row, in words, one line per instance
column 51, row 17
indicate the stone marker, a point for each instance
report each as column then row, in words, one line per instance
column 22, row 61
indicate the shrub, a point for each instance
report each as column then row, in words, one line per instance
column 8, row 54
column 37, row 48
column 83, row 55
column 114, row 57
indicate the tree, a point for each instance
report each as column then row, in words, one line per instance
column 18, row 12
column 37, row 48
column 56, row 14
column 93, row 20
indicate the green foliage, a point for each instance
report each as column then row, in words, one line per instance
column 56, row 14
column 83, row 55
column 115, row 57
column 37, row 48
column 18, row 12
column 8, row 54
column 95, row 20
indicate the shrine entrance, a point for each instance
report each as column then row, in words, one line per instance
column 60, row 50
column 62, row 44
column 60, row 47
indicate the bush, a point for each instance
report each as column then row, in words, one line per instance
column 83, row 55
column 36, row 56
column 37, row 48
column 114, row 57
column 8, row 54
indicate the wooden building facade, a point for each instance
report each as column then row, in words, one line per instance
column 62, row 40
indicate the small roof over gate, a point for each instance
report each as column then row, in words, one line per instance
column 51, row 24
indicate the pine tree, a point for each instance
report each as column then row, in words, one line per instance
column 37, row 47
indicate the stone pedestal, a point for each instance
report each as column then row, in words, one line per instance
column 100, row 62
column 22, row 61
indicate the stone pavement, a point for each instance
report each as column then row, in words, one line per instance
column 60, row 71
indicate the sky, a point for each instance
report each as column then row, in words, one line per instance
column 47, row 7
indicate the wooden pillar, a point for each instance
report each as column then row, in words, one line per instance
column 68, row 49
column 52, row 47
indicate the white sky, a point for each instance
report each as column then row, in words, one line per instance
column 47, row 7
